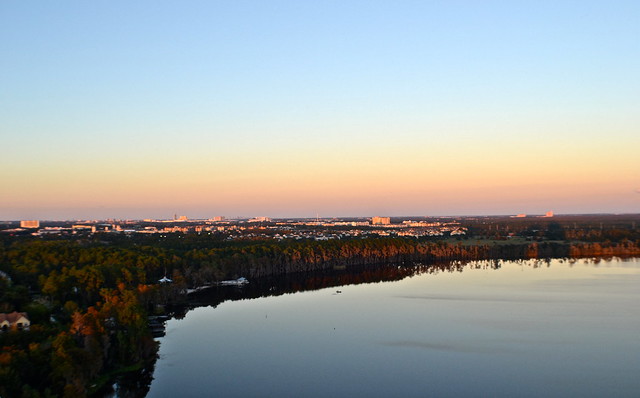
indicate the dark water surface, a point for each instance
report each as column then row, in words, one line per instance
column 506, row 329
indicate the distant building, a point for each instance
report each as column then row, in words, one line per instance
column 14, row 320
column 30, row 224
column 218, row 218
column 260, row 219
column 82, row 227
column 410, row 223
column 380, row 220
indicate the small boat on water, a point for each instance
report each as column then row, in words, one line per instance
column 234, row 282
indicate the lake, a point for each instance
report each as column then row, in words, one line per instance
column 507, row 328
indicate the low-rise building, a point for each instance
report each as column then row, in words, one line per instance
column 14, row 320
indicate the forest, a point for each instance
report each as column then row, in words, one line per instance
column 89, row 298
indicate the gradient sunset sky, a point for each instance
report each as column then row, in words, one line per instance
column 143, row 109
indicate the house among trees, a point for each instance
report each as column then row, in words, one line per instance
column 14, row 320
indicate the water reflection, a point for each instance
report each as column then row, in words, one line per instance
column 443, row 347
column 499, row 328
column 355, row 275
column 289, row 284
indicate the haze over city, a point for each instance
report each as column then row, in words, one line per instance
column 292, row 109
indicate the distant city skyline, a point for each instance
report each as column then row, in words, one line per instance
column 289, row 109
column 375, row 218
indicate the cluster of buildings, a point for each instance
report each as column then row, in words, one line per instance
column 251, row 228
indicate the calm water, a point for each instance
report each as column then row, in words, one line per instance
column 523, row 329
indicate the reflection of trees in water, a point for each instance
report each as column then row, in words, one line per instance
column 354, row 275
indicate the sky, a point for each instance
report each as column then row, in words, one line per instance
column 146, row 109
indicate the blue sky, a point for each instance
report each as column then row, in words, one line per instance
column 213, row 98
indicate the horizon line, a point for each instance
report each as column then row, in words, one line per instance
column 531, row 215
